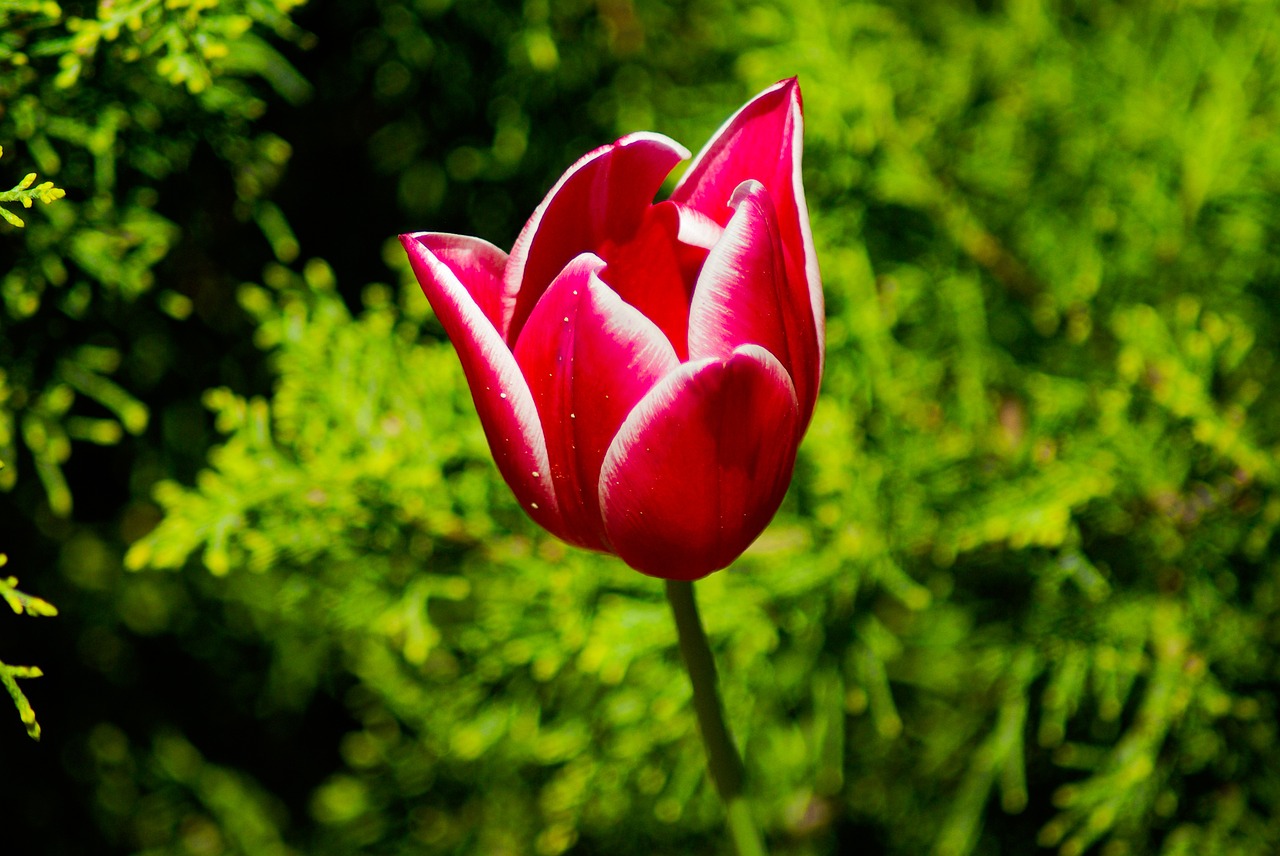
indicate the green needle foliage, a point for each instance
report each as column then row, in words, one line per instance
column 21, row 603
column 25, row 194
column 109, row 105
column 1025, row 563
column 1023, row 596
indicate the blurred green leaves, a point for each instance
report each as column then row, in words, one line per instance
column 135, row 87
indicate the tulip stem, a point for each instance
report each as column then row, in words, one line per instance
column 722, row 756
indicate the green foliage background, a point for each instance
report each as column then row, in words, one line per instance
column 1023, row 596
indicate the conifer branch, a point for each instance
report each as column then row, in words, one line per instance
column 21, row 603
column 27, row 192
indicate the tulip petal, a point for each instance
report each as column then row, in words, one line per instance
column 696, row 229
column 763, row 141
column 654, row 272
column 501, row 395
column 603, row 197
column 742, row 297
column 588, row 357
column 477, row 264
column 701, row 465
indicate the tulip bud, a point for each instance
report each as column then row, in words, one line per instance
column 644, row 371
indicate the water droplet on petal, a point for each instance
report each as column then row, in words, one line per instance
column 535, row 474
column 502, row 395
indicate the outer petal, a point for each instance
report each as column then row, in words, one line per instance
column 588, row 357
column 477, row 264
column 501, row 396
column 603, row 197
column 763, row 141
column 742, row 297
column 700, row 466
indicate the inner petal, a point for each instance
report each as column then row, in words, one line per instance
column 645, row 270
column 654, row 269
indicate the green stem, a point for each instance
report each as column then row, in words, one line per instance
column 722, row 756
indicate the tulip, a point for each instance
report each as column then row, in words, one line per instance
column 644, row 371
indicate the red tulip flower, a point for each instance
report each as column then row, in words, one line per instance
column 644, row 372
